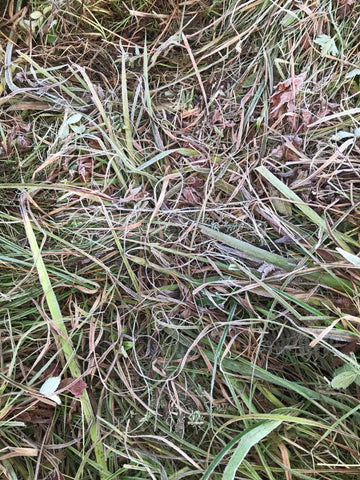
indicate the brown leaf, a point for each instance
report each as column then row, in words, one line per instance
column 134, row 194
column 78, row 387
column 345, row 8
column 307, row 118
column 351, row 347
column 191, row 196
column 37, row 414
column 75, row 386
column 190, row 113
column 326, row 108
column 192, row 193
column 284, row 94
column 195, row 182
column 85, row 167
column 285, row 152
column 23, row 143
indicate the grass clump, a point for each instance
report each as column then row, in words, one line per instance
column 179, row 240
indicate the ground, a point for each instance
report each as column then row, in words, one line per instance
column 179, row 238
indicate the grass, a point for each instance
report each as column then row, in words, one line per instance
column 179, row 239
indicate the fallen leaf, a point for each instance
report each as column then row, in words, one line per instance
column 284, row 95
column 78, row 387
column 285, row 152
column 74, row 386
column 195, row 182
column 345, row 8
column 192, row 192
column 190, row 113
column 23, row 143
column 306, row 119
column 85, row 167
column 37, row 414
column 191, row 196
column 134, row 194
column 351, row 347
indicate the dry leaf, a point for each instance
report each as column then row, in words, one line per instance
column 190, row 113
column 345, row 8
column 285, row 152
column 195, row 182
column 326, row 108
column 306, row 118
column 78, row 387
column 134, row 194
column 192, row 192
column 190, row 195
column 74, row 386
column 36, row 414
column 283, row 97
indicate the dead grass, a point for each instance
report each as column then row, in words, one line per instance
column 179, row 231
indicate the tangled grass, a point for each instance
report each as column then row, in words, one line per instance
column 179, row 238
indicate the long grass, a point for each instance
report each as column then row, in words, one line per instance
column 179, row 239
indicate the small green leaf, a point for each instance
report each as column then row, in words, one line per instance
column 344, row 379
column 327, row 45
column 78, row 128
column 51, row 38
column 75, row 118
column 341, row 135
column 36, row 15
column 289, row 19
column 63, row 131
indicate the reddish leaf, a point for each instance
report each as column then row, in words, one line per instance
column 307, row 118
column 285, row 152
column 193, row 192
column 77, row 388
column 283, row 96
column 191, row 196
column 345, row 8
column 195, row 182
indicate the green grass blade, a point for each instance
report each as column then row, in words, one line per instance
column 251, row 438
column 306, row 210
column 59, row 326
column 252, row 252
